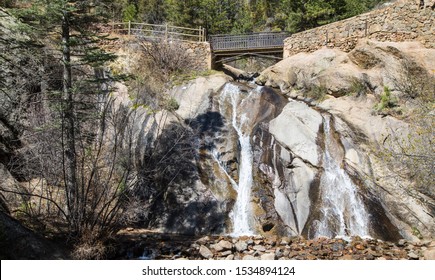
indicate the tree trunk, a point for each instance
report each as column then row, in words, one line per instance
column 70, row 160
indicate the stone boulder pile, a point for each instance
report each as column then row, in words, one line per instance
column 176, row 247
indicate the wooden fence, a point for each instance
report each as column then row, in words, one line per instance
column 248, row 41
column 160, row 30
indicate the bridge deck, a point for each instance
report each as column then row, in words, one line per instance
column 248, row 42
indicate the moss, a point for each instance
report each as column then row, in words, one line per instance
column 417, row 233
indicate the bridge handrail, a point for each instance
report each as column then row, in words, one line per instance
column 248, row 41
column 159, row 30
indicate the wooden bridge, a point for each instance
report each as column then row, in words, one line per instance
column 231, row 47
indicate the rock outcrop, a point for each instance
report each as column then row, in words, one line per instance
column 18, row 242
column 353, row 83
column 370, row 66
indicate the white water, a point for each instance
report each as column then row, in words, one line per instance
column 241, row 214
column 343, row 213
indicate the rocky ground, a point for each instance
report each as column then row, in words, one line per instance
column 137, row 244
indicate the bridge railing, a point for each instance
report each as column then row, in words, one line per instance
column 167, row 31
column 248, row 41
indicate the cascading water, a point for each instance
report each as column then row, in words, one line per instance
column 241, row 214
column 342, row 211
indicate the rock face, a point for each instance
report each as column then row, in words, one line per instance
column 193, row 97
column 362, row 75
column 296, row 155
column 371, row 65
column 296, row 128
column 221, row 120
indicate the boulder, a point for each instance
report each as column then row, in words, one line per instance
column 18, row 242
column 223, row 245
column 268, row 257
column 193, row 97
column 241, row 246
column 205, row 252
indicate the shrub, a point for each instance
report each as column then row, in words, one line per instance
column 387, row 103
column 172, row 104
column 316, row 92
column 357, row 87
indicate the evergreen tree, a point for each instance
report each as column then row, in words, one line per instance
column 70, row 27
column 152, row 11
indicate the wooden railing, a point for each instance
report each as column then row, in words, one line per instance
column 159, row 30
column 248, row 41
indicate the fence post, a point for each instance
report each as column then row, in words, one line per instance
column 129, row 28
column 166, row 32
column 199, row 34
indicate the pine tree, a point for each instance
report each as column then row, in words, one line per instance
column 70, row 27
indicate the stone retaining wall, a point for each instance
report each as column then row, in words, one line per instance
column 200, row 53
column 403, row 20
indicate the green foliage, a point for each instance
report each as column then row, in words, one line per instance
column 417, row 233
column 387, row 102
column 232, row 16
column 172, row 104
column 152, row 11
column 7, row 3
column 129, row 13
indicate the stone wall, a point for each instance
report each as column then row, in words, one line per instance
column 200, row 53
column 403, row 20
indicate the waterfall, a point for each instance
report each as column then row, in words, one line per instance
column 342, row 211
column 241, row 214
